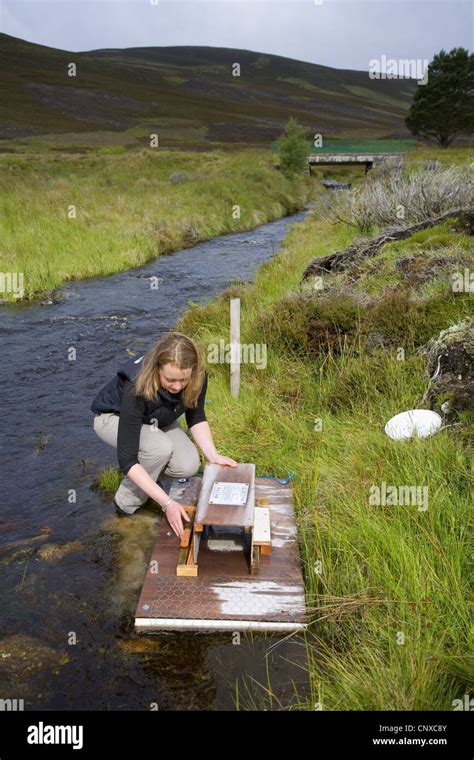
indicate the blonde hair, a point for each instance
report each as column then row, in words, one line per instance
column 173, row 348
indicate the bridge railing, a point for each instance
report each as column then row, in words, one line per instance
column 357, row 146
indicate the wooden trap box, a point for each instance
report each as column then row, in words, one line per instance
column 222, row 593
column 227, row 526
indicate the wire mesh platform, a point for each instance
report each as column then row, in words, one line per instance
column 225, row 596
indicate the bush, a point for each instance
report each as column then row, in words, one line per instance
column 405, row 197
column 293, row 149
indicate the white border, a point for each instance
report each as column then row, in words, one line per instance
column 159, row 624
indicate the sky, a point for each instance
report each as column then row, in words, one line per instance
column 344, row 34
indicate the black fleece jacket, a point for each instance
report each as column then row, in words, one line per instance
column 132, row 412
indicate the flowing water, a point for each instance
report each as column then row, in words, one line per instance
column 71, row 570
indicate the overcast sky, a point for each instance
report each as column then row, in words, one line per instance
column 339, row 33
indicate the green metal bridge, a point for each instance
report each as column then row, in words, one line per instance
column 348, row 152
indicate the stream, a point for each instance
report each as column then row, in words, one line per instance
column 71, row 569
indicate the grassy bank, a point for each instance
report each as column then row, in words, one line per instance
column 387, row 586
column 71, row 217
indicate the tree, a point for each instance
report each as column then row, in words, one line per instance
column 293, row 148
column 444, row 106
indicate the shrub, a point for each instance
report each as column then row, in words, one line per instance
column 293, row 149
column 405, row 197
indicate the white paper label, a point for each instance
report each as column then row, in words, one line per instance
column 234, row 494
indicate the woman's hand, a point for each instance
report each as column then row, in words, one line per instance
column 174, row 514
column 224, row 461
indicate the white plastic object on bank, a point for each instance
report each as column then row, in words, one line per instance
column 421, row 422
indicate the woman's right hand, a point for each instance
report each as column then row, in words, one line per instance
column 175, row 513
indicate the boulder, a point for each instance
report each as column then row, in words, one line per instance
column 450, row 365
column 333, row 184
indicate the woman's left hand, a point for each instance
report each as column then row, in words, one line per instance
column 224, row 461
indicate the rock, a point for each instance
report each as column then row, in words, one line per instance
column 450, row 365
column 332, row 184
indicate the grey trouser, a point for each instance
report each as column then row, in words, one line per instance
column 167, row 450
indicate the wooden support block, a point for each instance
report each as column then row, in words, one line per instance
column 265, row 550
column 186, row 565
column 186, row 537
column 182, row 557
column 261, row 537
column 187, row 571
column 191, row 568
column 198, row 528
column 261, row 529
column 255, row 560
column 262, row 501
